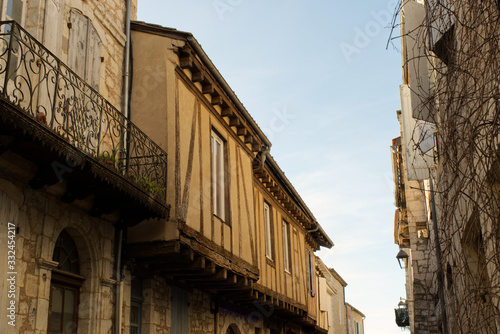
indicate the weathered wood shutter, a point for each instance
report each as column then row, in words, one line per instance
column 84, row 50
column 310, row 273
column 52, row 26
column 93, row 61
column 179, row 311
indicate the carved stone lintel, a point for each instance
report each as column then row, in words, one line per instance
column 46, row 264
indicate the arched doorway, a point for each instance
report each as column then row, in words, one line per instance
column 65, row 287
column 233, row 329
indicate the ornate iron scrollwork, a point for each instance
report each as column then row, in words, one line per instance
column 40, row 85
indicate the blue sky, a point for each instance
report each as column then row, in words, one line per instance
column 317, row 78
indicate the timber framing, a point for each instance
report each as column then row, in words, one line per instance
column 271, row 178
column 216, row 96
column 189, row 264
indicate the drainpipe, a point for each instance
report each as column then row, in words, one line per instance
column 126, row 78
column 313, row 229
column 119, row 284
column 126, row 113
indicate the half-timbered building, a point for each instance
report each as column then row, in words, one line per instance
column 239, row 244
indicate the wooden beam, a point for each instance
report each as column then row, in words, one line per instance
column 227, row 112
column 248, row 139
column 198, row 77
column 208, row 89
column 186, row 62
column 221, row 273
column 216, row 100
column 234, row 121
column 153, row 249
column 242, row 131
column 188, row 255
column 198, row 263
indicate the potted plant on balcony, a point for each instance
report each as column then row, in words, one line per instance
column 109, row 159
column 150, row 186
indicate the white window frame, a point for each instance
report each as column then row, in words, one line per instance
column 286, row 246
column 217, row 147
column 267, row 223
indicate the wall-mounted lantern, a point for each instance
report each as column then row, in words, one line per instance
column 402, row 255
column 402, row 317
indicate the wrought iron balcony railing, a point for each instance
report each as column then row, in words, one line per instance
column 42, row 87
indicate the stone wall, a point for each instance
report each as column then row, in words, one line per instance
column 39, row 218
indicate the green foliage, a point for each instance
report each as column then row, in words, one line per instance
column 148, row 185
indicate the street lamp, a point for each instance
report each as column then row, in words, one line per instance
column 402, row 255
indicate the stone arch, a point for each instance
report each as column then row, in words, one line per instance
column 88, row 269
column 233, row 329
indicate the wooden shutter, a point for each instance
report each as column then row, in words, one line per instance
column 77, row 48
column 93, row 61
column 52, row 27
column 84, row 50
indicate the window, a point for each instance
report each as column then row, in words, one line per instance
column 179, row 312
column 218, row 176
column 136, row 306
column 13, row 10
column 84, row 49
column 286, row 246
column 269, row 230
column 310, row 273
column 65, row 287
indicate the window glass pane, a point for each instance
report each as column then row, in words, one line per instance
column 218, row 177
column 134, row 310
column 267, row 219
column 66, row 254
column 69, row 312
column 9, row 8
column 286, row 246
column 56, row 310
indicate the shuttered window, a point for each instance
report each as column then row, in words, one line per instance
column 84, row 50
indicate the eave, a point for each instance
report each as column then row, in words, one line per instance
column 274, row 180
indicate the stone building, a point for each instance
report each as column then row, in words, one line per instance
column 336, row 316
column 162, row 211
column 355, row 320
column 446, row 165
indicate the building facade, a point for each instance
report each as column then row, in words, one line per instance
column 243, row 237
column 158, row 211
column 355, row 320
column 446, row 166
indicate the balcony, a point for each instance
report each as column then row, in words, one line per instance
column 55, row 120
